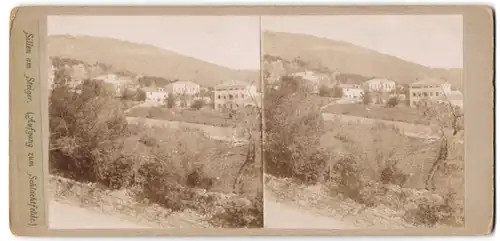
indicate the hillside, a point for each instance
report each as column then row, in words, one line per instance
column 144, row 59
column 350, row 59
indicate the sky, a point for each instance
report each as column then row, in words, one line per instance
column 234, row 41
column 230, row 41
column 430, row 40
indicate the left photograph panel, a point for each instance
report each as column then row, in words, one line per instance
column 154, row 122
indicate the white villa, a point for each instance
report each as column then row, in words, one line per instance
column 182, row 87
column 380, row 85
column 429, row 88
column 155, row 96
column 234, row 95
column 351, row 92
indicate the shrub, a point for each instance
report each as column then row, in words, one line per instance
column 391, row 174
column 432, row 211
column 155, row 183
column 117, row 173
column 198, row 179
column 148, row 141
column 350, row 179
column 312, row 170
column 240, row 213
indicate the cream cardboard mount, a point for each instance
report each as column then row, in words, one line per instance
column 251, row 121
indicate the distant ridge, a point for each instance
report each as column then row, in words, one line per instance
column 348, row 58
column 145, row 59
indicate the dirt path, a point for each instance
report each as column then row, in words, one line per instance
column 68, row 216
column 285, row 216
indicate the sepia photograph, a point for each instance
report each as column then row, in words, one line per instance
column 363, row 121
column 154, row 122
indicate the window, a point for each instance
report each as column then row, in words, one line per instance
column 431, row 93
column 414, row 94
column 230, row 97
column 224, row 97
column 218, row 97
column 419, row 94
column 425, row 94
column 242, row 96
column 237, row 105
column 437, row 93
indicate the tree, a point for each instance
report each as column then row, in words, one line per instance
column 293, row 126
column 128, row 94
column 140, row 95
column 86, row 133
column 393, row 101
column 170, row 100
column 366, row 97
column 447, row 122
column 198, row 104
column 324, row 91
column 338, row 92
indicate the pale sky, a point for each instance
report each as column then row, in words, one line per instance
column 230, row 41
column 234, row 41
column 430, row 40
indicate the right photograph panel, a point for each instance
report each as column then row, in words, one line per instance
column 363, row 121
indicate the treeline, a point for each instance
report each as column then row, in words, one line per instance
column 61, row 62
column 296, row 64
column 98, row 68
column 148, row 81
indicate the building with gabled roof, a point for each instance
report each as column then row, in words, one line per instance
column 429, row 88
column 235, row 94
column 155, row 96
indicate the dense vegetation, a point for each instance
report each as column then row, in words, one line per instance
column 360, row 161
column 91, row 142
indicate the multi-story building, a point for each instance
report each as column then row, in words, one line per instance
column 155, row 96
column 235, row 94
column 379, row 85
column 351, row 92
column 429, row 88
column 182, row 87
